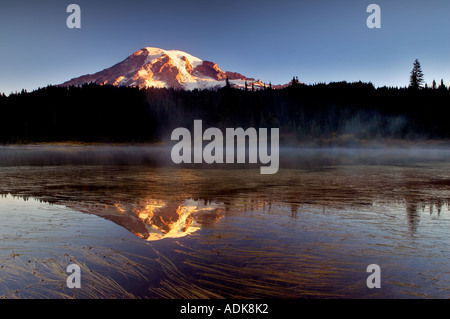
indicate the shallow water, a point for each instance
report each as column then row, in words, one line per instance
column 139, row 227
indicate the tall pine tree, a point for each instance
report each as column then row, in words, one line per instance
column 416, row 78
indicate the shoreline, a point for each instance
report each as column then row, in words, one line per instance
column 314, row 143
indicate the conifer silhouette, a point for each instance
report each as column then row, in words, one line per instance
column 416, row 78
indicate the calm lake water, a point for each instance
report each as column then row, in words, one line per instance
column 139, row 227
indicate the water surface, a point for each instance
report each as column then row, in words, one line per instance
column 139, row 226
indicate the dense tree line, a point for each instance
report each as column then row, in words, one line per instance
column 94, row 113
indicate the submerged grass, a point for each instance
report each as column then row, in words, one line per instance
column 245, row 274
column 22, row 277
column 176, row 284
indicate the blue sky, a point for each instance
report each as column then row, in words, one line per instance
column 318, row 41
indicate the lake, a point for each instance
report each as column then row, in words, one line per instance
column 141, row 227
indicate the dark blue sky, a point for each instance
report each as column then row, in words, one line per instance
column 318, row 41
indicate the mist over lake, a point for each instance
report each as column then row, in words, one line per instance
column 140, row 226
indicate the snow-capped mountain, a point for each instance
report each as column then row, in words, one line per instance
column 154, row 67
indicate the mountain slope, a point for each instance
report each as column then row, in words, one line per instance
column 154, row 67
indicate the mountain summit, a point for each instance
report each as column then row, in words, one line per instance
column 154, row 67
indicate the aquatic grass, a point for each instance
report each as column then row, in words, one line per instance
column 227, row 272
column 115, row 261
column 36, row 277
column 176, row 284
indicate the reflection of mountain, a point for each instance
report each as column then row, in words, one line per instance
column 156, row 219
column 123, row 185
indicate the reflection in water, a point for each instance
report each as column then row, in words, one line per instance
column 413, row 215
column 152, row 202
column 308, row 231
column 157, row 219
